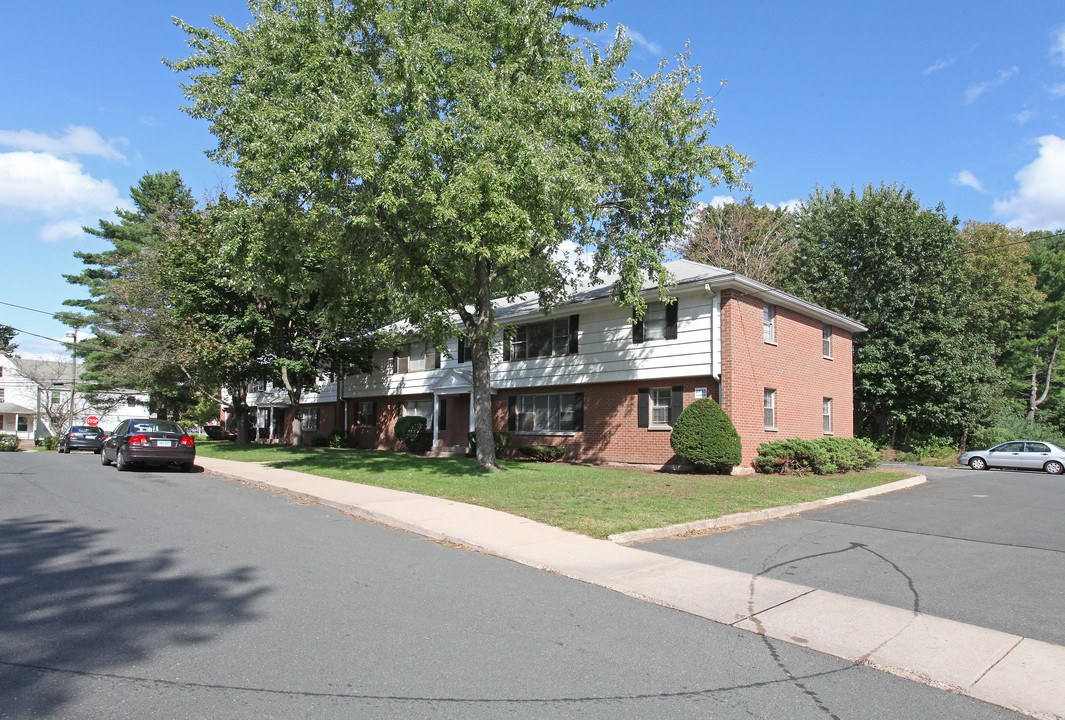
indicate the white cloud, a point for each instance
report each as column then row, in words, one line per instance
column 967, row 179
column 976, row 90
column 722, row 201
column 941, row 64
column 1023, row 116
column 640, row 41
column 63, row 230
column 1057, row 90
column 43, row 184
column 1038, row 203
column 1057, row 45
column 78, row 140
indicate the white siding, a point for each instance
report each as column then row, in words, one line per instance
column 606, row 353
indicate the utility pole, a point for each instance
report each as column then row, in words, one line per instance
column 74, row 378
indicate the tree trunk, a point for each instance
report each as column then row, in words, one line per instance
column 480, row 343
column 1035, row 400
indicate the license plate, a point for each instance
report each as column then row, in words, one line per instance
column 164, row 443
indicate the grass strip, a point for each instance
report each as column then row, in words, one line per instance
column 593, row 500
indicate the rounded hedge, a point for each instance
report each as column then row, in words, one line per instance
column 704, row 436
column 409, row 428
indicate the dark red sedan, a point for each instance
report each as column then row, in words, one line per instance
column 149, row 441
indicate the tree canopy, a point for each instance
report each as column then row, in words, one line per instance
column 754, row 240
column 463, row 147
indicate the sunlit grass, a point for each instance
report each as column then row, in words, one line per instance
column 596, row 501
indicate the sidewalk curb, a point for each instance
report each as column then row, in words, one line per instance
column 737, row 519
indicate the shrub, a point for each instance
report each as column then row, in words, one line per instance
column 410, row 429
column 336, row 439
column 319, row 441
column 704, row 436
column 501, row 438
column 8, row 443
column 50, row 442
column 543, row 453
column 824, row 456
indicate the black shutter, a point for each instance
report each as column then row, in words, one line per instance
column 441, row 419
column 395, row 361
column 578, row 411
column 373, row 413
column 574, row 321
column 671, row 321
column 436, row 360
column 512, row 413
column 507, row 335
column 463, row 352
column 676, row 403
column 643, row 409
column 637, row 329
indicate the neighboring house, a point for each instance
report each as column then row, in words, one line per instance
column 609, row 389
column 35, row 399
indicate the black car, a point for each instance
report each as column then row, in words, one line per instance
column 81, row 437
column 149, row 441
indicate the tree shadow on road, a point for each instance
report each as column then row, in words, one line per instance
column 69, row 606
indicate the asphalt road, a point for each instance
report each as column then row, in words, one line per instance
column 160, row 594
column 985, row 548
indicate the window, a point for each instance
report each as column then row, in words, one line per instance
column 1, row 422
column 421, row 408
column 465, row 353
column 543, row 339
column 659, row 323
column 769, row 323
column 257, row 386
column 414, row 357
column 309, row 418
column 366, row 416
column 826, row 340
column 23, row 424
column 826, row 415
column 659, row 407
column 546, row 413
column 2, row 395
column 770, row 405
column 56, row 397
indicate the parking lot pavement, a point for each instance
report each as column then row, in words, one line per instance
column 984, row 548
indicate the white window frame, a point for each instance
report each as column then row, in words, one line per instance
column 826, row 415
column 542, row 414
column 769, row 324
column 364, row 411
column 421, row 408
column 654, row 321
column 306, row 413
column 826, row 341
column 2, row 395
column 660, row 407
column 521, row 339
column 769, row 407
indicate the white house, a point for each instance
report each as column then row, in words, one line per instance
column 35, row 399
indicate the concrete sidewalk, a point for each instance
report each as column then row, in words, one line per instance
column 1003, row 669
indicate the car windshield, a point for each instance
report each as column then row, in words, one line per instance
column 149, row 426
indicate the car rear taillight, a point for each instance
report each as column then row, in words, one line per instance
column 187, row 441
column 138, row 440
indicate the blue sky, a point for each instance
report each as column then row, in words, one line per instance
column 963, row 102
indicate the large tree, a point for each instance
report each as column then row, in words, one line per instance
column 883, row 259
column 463, row 145
column 754, row 240
column 128, row 348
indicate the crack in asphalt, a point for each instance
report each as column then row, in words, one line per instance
column 1060, row 551
column 428, row 699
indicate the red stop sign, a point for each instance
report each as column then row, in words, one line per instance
column 93, row 421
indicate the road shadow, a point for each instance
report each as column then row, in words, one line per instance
column 70, row 607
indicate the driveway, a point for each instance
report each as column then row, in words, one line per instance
column 985, row 548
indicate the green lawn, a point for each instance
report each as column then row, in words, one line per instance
column 596, row 501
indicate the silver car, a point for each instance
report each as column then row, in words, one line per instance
column 1018, row 454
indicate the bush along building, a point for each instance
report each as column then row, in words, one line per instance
column 609, row 388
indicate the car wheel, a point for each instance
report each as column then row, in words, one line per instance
column 121, row 462
column 103, row 459
column 978, row 463
column 1054, row 467
column 187, row 467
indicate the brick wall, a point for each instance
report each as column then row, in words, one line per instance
column 794, row 366
column 611, row 429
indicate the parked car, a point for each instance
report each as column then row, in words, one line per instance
column 149, row 441
column 81, row 437
column 1018, row 454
